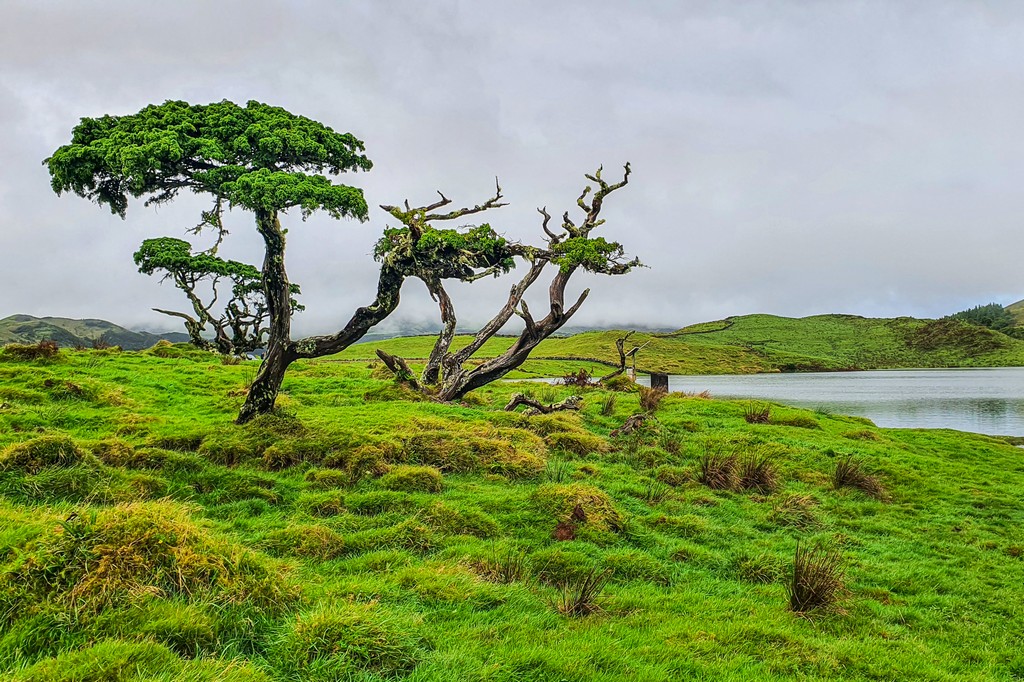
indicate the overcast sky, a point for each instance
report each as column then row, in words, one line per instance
column 792, row 158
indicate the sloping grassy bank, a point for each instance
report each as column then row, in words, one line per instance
column 361, row 534
column 765, row 343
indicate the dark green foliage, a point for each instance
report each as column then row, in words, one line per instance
column 992, row 315
column 816, row 581
column 252, row 156
column 590, row 253
column 437, row 253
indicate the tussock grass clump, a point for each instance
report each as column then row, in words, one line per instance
column 608, row 404
column 143, row 549
column 378, row 502
column 411, row 479
column 862, row 434
column 760, row 568
column 46, row 451
column 558, row 471
column 409, row 534
column 672, row 475
column 327, row 478
column 816, row 581
column 576, row 442
column 453, row 520
column 557, row 566
column 758, row 413
column 43, row 350
column 312, row 541
column 324, row 504
column 800, row 421
column 757, row 471
column 579, row 503
column 795, row 510
column 719, row 471
column 499, row 451
column 338, row 641
column 621, row 383
column 650, row 398
column 582, row 596
column 506, row 566
column 850, row 473
column 634, row 565
column 114, row 660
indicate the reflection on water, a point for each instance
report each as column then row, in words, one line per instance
column 980, row 400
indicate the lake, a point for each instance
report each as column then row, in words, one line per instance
column 984, row 400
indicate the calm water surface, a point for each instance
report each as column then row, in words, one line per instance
column 981, row 400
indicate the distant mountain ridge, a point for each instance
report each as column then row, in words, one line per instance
column 69, row 332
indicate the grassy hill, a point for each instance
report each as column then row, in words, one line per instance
column 70, row 333
column 360, row 534
column 762, row 343
column 1017, row 310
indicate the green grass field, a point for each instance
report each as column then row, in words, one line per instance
column 765, row 343
column 361, row 534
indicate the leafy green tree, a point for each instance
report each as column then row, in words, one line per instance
column 260, row 158
column 239, row 326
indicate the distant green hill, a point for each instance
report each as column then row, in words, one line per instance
column 68, row 333
column 766, row 343
column 1017, row 310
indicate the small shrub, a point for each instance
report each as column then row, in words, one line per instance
column 816, row 581
column 45, row 451
column 43, row 350
column 758, row 472
column 850, row 473
column 608, row 404
column 335, row 642
column 718, row 471
column 580, row 379
column 672, row 475
column 650, row 398
column 757, row 413
column 582, row 596
column 794, row 511
column 410, row 479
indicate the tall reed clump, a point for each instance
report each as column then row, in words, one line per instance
column 757, row 472
column 850, row 473
column 650, row 398
column 719, row 471
column 816, row 581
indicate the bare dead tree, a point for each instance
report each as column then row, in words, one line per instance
column 571, row 250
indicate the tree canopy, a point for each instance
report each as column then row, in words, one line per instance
column 258, row 157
